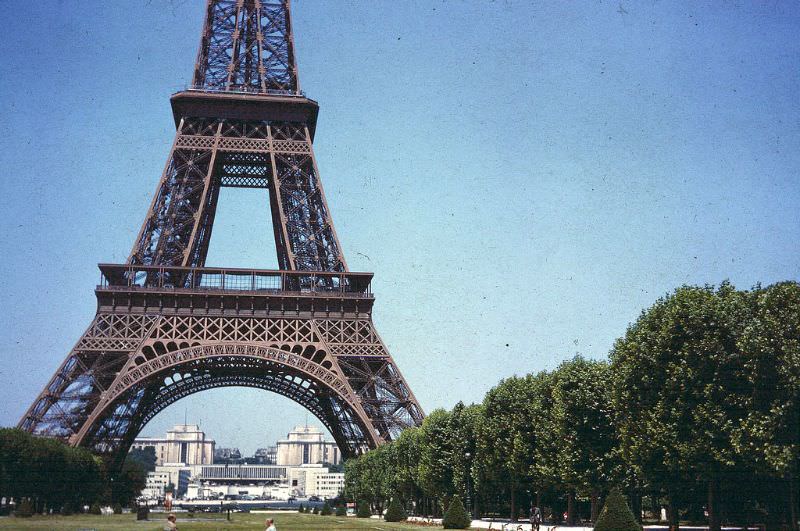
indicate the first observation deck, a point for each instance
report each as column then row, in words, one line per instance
column 232, row 291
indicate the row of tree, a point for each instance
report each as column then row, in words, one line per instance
column 48, row 475
column 696, row 411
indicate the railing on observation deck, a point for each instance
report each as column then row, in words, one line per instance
column 126, row 277
column 242, row 90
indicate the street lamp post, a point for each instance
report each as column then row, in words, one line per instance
column 470, row 504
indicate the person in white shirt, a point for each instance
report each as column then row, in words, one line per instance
column 271, row 525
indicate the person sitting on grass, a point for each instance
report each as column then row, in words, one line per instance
column 271, row 525
column 172, row 523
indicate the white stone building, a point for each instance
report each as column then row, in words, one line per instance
column 184, row 443
column 315, row 480
column 306, row 445
column 157, row 481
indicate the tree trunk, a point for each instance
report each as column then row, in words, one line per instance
column 793, row 503
column 714, row 523
column 513, row 503
column 571, row 508
column 655, row 498
column 636, row 505
column 595, row 506
column 672, row 515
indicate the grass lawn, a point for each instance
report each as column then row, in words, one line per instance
column 284, row 521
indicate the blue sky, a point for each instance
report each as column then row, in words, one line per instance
column 523, row 178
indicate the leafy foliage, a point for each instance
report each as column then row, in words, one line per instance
column 680, row 381
column 456, row 516
column 326, row 510
column 616, row 515
column 95, row 509
column 146, row 457
column 395, row 512
column 128, row 483
column 698, row 407
column 48, row 471
column 341, row 510
column 770, row 431
column 301, row 509
column 363, row 510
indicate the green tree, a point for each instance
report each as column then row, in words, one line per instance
column 467, row 421
column 47, row 471
column 405, row 464
column 616, row 515
column 363, row 509
column 508, row 439
column 678, row 384
column 369, row 477
column 128, row 483
column 582, row 422
column 456, row 516
column 768, row 436
column 326, row 510
column 341, row 510
column 448, row 444
column 146, row 457
column 395, row 512
column 436, row 455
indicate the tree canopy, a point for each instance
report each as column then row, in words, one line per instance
column 697, row 408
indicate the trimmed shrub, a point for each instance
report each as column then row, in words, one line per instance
column 24, row 509
column 363, row 510
column 315, row 510
column 301, row 509
column 456, row 516
column 95, row 509
column 117, row 508
column 341, row 510
column 326, row 510
column 616, row 515
column 395, row 512
column 66, row 509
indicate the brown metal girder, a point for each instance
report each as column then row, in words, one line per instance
column 283, row 246
column 292, row 56
column 200, row 215
column 46, row 392
column 137, row 242
column 235, row 37
column 237, row 106
column 342, row 260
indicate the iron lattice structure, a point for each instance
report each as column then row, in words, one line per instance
column 167, row 326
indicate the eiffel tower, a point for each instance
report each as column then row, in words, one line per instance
column 168, row 326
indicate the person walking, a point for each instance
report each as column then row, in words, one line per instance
column 536, row 518
column 271, row 525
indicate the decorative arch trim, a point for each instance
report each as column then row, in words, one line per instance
column 139, row 374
